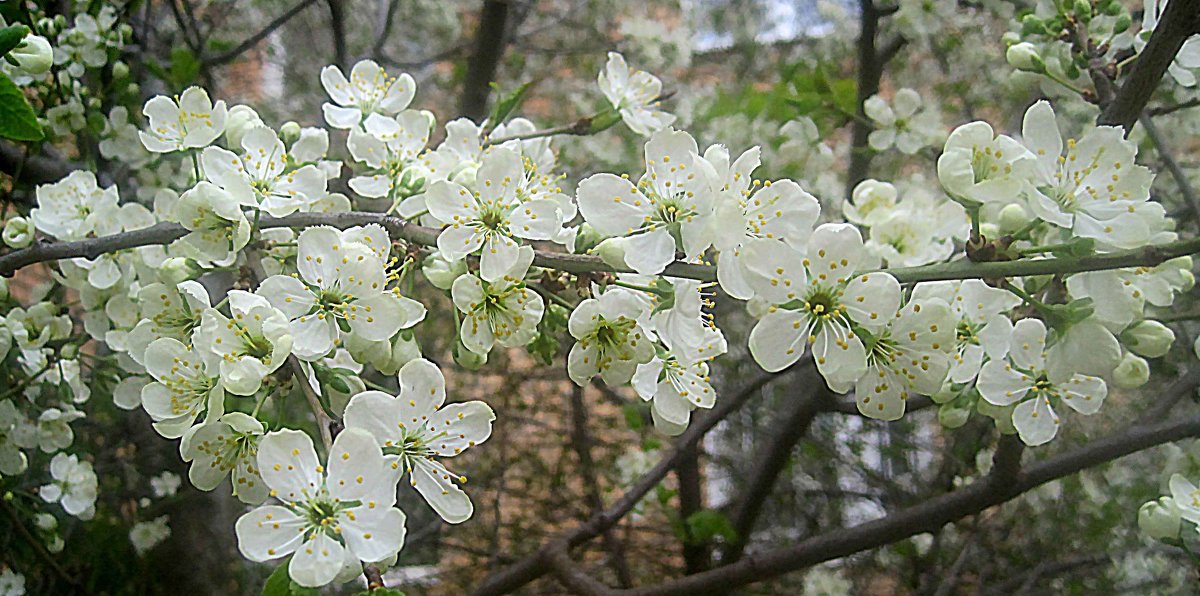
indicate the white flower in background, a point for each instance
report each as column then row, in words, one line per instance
column 342, row 280
column 819, row 300
column 39, row 324
column 147, row 535
column 610, row 338
column 187, row 382
column 1187, row 59
column 74, row 486
column 71, row 208
column 217, row 227
column 12, row 460
column 167, row 311
column 491, row 219
column 1094, row 189
column 903, row 123
column 251, row 345
column 635, row 94
column 979, row 166
column 240, row 120
column 917, row 232
column 676, row 195
column 418, row 426
column 11, row 583
column 50, row 432
column 263, row 176
column 1186, row 497
column 1023, row 378
column 120, row 140
column 981, row 330
column 328, row 515
column 390, row 147
column 370, row 90
column 189, row 121
column 1119, row 296
column 747, row 209
column 911, row 356
column 165, row 485
column 871, row 202
column 226, row 446
column 503, row 311
column 804, row 146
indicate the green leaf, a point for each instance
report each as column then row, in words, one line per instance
column 707, row 524
column 507, row 103
column 17, row 120
column 10, row 37
column 185, row 68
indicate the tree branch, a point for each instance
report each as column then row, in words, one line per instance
column 770, row 462
column 538, row 563
column 1179, row 21
column 481, row 67
column 1000, row 486
column 250, row 42
column 1168, row 159
column 871, row 61
column 33, row 169
column 400, row 229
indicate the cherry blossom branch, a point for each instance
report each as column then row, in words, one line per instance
column 400, row 229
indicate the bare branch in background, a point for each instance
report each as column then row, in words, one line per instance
column 490, row 39
column 253, row 40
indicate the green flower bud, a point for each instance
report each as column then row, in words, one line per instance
column 952, row 416
column 33, row 55
column 468, row 359
column 1012, row 218
column 1160, row 519
column 1031, row 25
column 290, row 132
column 1024, row 56
column 1010, row 38
column 18, row 232
column 1148, row 338
column 612, row 252
column 239, row 121
column 69, row 351
column 586, row 238
column 442, row 273
column 179, row 269
column 1132, row 372
column 1122, row 24
column 120, row 70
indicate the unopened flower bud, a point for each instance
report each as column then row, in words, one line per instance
column 989, row 230
column 612, row 252
column 468, row 359
column 953, row 415
column 18, row 232
column 239, row 121
column 1012, row 218
column 69, row 352
column 33, row 55
column 46, row 26
column 1148, row 338
column 1025, row 56
column 441, row 272
column 586, row 238
column 290, row 132
column 1160, row 519
column 179, row 269
column 1132, row 372
column 1010, row 38
column 1122, row 24
column 120, row 70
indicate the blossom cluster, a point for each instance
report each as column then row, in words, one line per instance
column 317, row 309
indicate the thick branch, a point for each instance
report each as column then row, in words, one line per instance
column 930, row 515
column 250, row 42
column 32, row 169
column 770, row 463
column 581, row 440
column 481, row 68
column 871, row 62
column 1179, row 21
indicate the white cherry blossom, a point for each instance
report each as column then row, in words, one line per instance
column 675, row 196
column 1023, row 379
column 902, row 123
column 503, row 311
column 821, row 300
column 186, row 384
column 911, row 356
column 74, row 486
column 979, row 166
column 491, row 219
column 341, row 282
column 635, row 94
column 390, row 147
column 71, row 208
column 263, row 175
column 981, row 327
column 610, row 338
column 370, row 90
column 327, row 513
column 251, row 345
column 226, row 446
column 217, row 227
column 188, row 121
column 417, row 426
